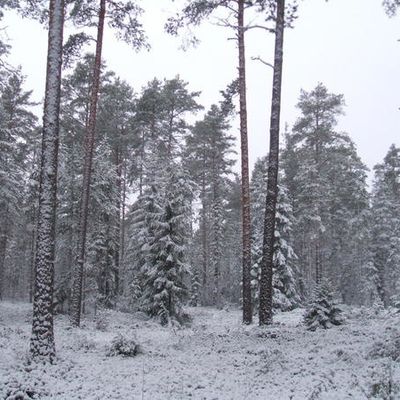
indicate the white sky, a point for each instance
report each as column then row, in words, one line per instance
column 349, row 45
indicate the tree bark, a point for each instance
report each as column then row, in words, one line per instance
column 266, row 290
column 3, row 250
column 246, row 228
column 117, row 228
column 42, row 345
column 32, row 258
column 204, row 255
column 122, row 224
column 318, row 267
column 87, row 172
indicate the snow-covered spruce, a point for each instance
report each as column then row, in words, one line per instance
column 165, row 265
column 323, row 311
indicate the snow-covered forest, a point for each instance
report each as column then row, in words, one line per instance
column 143, row 257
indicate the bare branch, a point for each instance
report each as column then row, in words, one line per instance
column 266, row 28
column 258, row 58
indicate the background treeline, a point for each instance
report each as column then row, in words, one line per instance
column 165, row 207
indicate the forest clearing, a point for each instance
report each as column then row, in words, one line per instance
column 215, row 357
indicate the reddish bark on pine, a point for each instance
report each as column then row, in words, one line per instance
column 246, row 227
column 87, row 173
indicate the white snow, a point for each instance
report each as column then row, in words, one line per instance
column 215, row 358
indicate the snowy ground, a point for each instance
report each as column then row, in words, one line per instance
column 215, row 358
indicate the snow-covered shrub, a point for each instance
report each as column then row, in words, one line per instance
column 123, row 346
column 184, row 319
column 22, row 386
column 80, row 342
column 383, row 384
column 323, row 310
column 389, row 348
column 84, row 343
column 18, row 394
column 378, row 306
column 395, row 301
column 101, row 321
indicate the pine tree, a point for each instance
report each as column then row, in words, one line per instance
column 207, row 157
column 4, row 46
column 76, row 301
column 285, row 291
column 105, row 203
column 42, row 340
column 115, row 120
column 386, row 224
column 123, row 17
column 391, row 7
column 327, row 187
column 193, row 13
column 265, row 307
column 159, row 126
column 319, row 109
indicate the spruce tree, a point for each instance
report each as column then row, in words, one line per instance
column 165, row 267
column 322, row 311
column 141, row 233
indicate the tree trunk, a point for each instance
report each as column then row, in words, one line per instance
column 117, row 228
column 246, row 260
column 318, row 270
column 32, row 258
column 122, row 225
column 3, row 250
column 42, row 340
column 265, row 310
column 204, row 255
column 215, row 245
column 87, row 172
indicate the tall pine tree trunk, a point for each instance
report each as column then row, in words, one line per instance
column 32, row 257
column 87, row 172
column 246, row 280
column 117, row 229
column 266, row 290
column 42, row 345
column 204, row 255
column 318, row 266
column 215, row 249
column 3, row 250
column 122, row 224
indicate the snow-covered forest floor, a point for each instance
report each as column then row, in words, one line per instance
column 216, row 357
